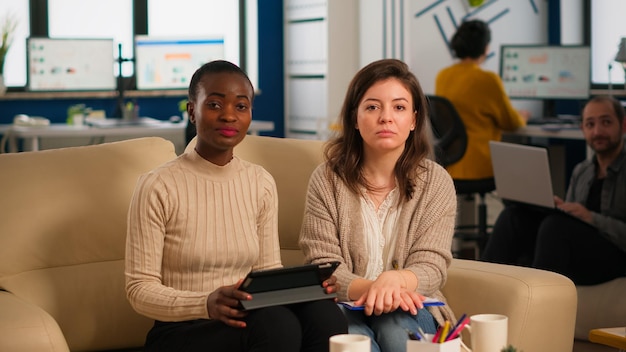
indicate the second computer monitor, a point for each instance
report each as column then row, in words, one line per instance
column 169, row 62
column 545, row 72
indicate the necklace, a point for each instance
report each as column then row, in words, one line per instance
column 378, row 195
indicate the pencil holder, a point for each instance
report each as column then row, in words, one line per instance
column 422, row 346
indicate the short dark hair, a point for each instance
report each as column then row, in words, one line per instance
column 216, row 66
column 344, row 152
column 471, row 39
column 618, row 108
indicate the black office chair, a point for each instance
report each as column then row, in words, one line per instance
column 450, row 145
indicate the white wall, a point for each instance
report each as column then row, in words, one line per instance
column 572, row 19
column 357, row 32
column 426, row 27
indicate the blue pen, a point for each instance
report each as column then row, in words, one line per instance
column 456, row 326
column 421, row 332
column 413, row 336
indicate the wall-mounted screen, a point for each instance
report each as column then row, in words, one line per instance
column 169, row 63
column 545, row 72
column 59, row 64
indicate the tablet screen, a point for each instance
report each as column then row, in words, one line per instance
column 290, row 277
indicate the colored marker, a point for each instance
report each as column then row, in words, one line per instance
column 458, row 329
column 444, row 332
column 456, row 326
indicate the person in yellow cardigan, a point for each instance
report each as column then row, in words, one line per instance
column 480, row 99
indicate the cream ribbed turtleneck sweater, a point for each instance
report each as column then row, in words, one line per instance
column 194, row 226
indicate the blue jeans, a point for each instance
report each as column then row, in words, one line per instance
column 388, row 331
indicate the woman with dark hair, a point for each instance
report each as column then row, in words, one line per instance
column 199, row 223
column 383, row 209
column 480, row 99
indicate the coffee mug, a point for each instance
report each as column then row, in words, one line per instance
column 488, row 332
column 350, row 343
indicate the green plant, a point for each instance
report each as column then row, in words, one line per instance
column 7, row 29
column 510, row 348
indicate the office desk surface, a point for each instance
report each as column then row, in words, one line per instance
column 31, row 135
column 548, row 131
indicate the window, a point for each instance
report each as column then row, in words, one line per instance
column 95, row 20
column 208, row 18
column 15, row 63
column 115, row 19
column 607, row 27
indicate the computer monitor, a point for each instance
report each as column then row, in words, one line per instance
column 169, row 62
column 68, row 64
column 545, row 72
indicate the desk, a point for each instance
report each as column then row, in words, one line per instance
column 260, row 126
column 614, row 337
column 31, row 135
column 541, row 132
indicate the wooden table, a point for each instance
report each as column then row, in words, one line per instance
column 614, row 337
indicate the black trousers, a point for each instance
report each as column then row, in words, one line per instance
column 291, row 328
column 545, row 239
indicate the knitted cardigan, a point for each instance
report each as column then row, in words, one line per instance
column 332, row 231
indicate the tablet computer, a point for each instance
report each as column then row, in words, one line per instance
column 287, row 285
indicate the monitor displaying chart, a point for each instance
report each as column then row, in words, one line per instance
column 169, row 62
column 546, row 72
column 60, row 64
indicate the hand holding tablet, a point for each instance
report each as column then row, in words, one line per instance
column 287, row 285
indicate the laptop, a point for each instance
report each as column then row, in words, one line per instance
column 522, row 174
column 287, row 285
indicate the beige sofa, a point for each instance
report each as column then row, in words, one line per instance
column 62, row 245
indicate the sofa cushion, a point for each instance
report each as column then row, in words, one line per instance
column 600, row 306
column 62, row 238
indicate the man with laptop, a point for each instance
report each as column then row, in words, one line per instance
column 583, row 236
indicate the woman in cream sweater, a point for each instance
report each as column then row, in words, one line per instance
column 199, row 223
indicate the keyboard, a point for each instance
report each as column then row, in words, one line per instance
column 553, row 121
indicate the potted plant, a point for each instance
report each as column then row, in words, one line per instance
column 7, row 29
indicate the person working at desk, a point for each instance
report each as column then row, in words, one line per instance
column 199, row 223
column 479, row 98
column 589, row 248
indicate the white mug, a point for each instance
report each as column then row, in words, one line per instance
column 350, row 343
column 488, row 332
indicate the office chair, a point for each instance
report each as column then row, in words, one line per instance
column 450, row 145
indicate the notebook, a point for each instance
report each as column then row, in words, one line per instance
column 522, row 174
column 287, row 285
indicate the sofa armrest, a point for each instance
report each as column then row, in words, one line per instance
column 26, row 327
column 541, row 305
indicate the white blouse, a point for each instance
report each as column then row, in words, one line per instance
column 380, row 231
